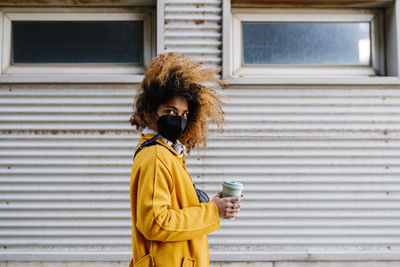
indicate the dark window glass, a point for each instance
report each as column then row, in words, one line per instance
column 77, row 42
column 306, row 43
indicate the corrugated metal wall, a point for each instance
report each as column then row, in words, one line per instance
column 194, row 28
column 320, row 164
column 320, row 167
column 65, row 157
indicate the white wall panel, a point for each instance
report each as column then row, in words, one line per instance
column 320, row 167
column 65, row 156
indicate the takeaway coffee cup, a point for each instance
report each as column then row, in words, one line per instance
column 231, row 189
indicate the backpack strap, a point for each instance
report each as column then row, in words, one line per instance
column 147, row 143
column 201, row 195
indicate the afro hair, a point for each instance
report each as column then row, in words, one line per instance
column 174, row 75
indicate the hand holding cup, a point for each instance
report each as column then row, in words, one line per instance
column 228, row 201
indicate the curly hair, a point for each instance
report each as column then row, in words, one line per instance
column 174, row 75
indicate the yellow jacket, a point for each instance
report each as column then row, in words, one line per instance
column 169, row 225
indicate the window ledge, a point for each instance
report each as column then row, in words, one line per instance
column 71, row 78
column 315, row 80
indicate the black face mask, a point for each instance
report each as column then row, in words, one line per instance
column 171, row 127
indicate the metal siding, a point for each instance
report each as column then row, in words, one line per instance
column 194, row 28
column 65, row 156
column 319, row 164
column 320, row 168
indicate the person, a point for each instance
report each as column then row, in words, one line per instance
column 173, row 107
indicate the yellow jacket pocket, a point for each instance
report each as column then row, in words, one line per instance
column 146, row 261
column 188, row 262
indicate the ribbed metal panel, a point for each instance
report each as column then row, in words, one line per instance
column 194, row 28
column 65, row 156
column 320, row 168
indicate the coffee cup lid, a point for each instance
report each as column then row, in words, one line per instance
column 233, row 184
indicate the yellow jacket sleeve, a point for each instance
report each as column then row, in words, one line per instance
column 156, row 219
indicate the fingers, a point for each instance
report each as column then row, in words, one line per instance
column 230, row 210
column 228, row 207
column 230, row 214
column 234, row 205
column 231, row 203
column 233, row 199
column 233, row 209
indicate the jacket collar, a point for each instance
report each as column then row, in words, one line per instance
column 178, row 146
column 147, row 136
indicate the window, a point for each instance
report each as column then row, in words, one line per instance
column 54, row 42
column 306, row 43
column 102, row 41
column 300, row 42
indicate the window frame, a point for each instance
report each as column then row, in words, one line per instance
column 235, row 69
column 76, row 14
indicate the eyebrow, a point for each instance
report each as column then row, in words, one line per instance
column 175, row 108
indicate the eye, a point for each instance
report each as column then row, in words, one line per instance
column 170, row 112
column 185, row 115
